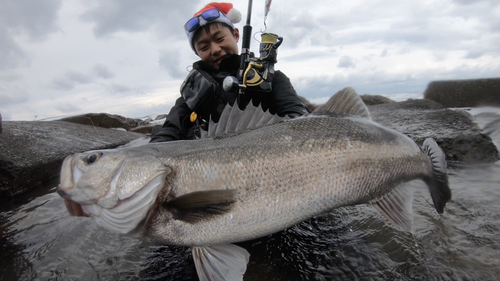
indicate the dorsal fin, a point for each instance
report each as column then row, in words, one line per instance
column 345, row 101
column 234, row 120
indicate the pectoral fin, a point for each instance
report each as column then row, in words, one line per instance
column 199, row 205
column 397, row 207
column 220, row 262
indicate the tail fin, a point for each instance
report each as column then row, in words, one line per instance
column 438, row 184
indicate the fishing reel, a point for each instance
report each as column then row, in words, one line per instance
column 258, row 73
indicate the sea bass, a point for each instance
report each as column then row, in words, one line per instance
column 253, row 175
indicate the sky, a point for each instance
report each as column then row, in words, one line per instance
column 62, row 58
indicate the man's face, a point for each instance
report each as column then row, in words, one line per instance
column 212, row 47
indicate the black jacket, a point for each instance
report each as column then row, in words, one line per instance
column 202, row 93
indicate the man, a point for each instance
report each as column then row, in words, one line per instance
column 214, row 39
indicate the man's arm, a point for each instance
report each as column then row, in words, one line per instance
column 177, row 123
column 286, row 100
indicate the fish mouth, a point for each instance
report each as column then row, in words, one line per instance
column 70, row 174
column 128, row 213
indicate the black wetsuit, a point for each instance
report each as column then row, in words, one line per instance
column 202, row 93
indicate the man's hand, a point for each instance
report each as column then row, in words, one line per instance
column 74, row 208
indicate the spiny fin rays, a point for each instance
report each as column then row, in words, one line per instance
column 438, row 184
column 396, row 207
column 234, row 120
column 220, row 262
column 345, row 101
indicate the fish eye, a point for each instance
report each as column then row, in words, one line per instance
column 92, row 158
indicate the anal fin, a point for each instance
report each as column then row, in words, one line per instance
column 220, row 262
column 397, row 207
column 199, row 205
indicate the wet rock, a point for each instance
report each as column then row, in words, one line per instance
column 161, row 116
column 105, row 120
column 465, row 93
column 31, row 152
column 375, row 99
column 146, row 129
column 454, row 130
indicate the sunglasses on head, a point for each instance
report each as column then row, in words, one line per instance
column 208, row 15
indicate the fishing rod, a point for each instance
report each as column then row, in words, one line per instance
column 255, row 73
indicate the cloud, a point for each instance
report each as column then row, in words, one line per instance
column 10, row 77
column 166, row 17
column 303, row 28
column 35, row 18
column 63, row 83
column 78, row 77
column 70, row 79
column 433, row 25
column 470, row 2
column 102, row 71
column 170, row 60
column 346, row 62
column 11, row 53
column 474, row 54
column 12, row 94
column 118, row 88
column 67, row 107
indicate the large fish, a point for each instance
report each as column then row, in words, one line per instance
column 241, row 183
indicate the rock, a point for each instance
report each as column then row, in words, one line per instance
column 0, row 123
column 31, row 152
column 105, row 120
column 454, row 130
column 161, row 116
column 146, row 129
column 375, row 99
column 465, row 93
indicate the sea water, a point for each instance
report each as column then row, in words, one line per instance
column 40, row 241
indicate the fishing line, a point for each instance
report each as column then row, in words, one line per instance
column 101, row 139
column 256, row 38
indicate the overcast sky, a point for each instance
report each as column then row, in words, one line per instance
column 129, row 57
